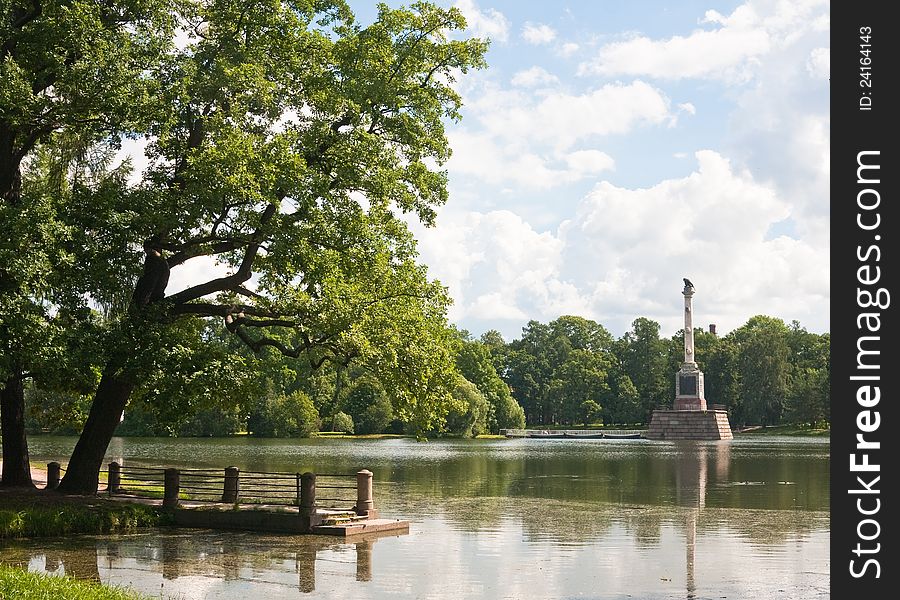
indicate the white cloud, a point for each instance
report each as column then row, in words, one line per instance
column 567, row 49
column 538, row 33
column 531, row 140
column 732, row 50
column 590, row 161
column 534, row 76
column 819, row 63
column 489, row 23
column 623, row 252
column 563, row 119
column 688, row 108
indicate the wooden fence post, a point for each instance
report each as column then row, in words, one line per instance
column 52, row 475
column 231, row 489
column 172, row 488
column 114, row 478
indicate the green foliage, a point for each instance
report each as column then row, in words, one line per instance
column 291, row 415
column 643, row 358
column 27, row 585
column 589, row 412
column 55, row 412
column 369, row 406
column 61, row 520
column 554, row 368
column 473, row 359
column 468, row 415
column 342, row 422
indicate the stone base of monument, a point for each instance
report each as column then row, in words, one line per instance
column 668, row 424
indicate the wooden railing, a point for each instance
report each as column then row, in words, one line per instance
column 307, row 491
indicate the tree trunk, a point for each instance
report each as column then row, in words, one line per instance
column 16, row 466
column 112, row 394
column 83, row 471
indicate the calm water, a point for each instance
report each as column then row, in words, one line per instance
column 494, row 519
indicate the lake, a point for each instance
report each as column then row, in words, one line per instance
column 517, row 518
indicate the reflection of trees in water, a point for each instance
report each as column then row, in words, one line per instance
column 569, row 498
column 58, row 557
column 640, row 474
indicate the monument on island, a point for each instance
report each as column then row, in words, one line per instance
column 689, row 418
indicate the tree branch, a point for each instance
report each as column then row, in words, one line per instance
column 244, row 272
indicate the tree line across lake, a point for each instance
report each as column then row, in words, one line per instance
column 570, row 371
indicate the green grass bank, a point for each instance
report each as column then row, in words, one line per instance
column 47, row 514
column 19, row 584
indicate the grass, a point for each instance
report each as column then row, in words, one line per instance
column 25, row 585
column 39, row 515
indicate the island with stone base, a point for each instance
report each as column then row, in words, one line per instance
column 689, row 418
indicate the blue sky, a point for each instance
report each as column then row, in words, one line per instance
column 612, row 148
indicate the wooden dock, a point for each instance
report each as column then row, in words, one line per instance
column 301, row 503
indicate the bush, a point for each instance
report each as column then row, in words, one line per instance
column 376, row 417
column 342, row 422
column 291, row 415
column 468, row 417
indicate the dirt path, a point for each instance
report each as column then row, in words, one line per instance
column 38, row 475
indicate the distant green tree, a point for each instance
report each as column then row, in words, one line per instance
column 376, row 417
column 643, row 357
column 629, row 408
column 469, row 411
column 589, row 411
column 343, row 422
column 474, row 362
column 763, row 364
column 56, row 412
column 291, row 415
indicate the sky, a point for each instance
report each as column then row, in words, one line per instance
column 612, row 148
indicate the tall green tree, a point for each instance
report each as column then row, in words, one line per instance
column 289, row 137
column 65, row 66
column 764, row 368
column 552, row 364
column 643, row 357
column 473, row 359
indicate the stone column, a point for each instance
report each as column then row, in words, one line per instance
column 172, row 480
column 114, row 478
column 365, row 504
column 230, row 489
column 53, row 470
column 688, row 325
column 689, row 379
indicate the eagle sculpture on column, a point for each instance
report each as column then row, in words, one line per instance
column 687, row 282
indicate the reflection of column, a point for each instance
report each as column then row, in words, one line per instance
column 690, row 485
column 231, row 560
column 306, row 568
column 691, row 539
column 723, row 459
column 690, row 475
column 364, row 560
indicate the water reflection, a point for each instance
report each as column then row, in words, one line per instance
column 550, row 520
